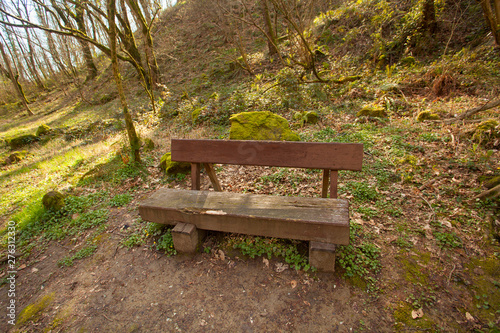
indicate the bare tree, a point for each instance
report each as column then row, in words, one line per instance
column 14, row 78
column 132, row 135
column 491, row 10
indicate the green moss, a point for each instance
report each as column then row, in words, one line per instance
column 492, row 182
column 42, row 130
column 371, row 110
column 172, row 167
column 15, row 157
column 32, row 311
column 21, row 141
column 412, row 271
column 427, row 115
column 260, row 125
column 404, row 321
column 485, row 130
column 53, row 200
column 485, row 287
column 408, row 61
column 148, row 144
column 196, row 114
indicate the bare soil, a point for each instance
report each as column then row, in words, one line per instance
column 139, row 290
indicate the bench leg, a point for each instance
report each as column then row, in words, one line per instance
column 187, row 237
column 322, row 256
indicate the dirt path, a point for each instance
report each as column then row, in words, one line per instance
column 140, row 290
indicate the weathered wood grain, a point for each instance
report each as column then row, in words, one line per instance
column 310, row 219
column 312, row 155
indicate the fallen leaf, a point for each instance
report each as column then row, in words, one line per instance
column 266, row 262
column 417, row 313
column 469, row 317
column 280, row 267
column 23, row 266
column 293, row 283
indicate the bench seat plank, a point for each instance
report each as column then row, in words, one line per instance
column 310, row 219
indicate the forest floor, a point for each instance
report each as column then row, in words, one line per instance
column 424, row 253
column 433, row 250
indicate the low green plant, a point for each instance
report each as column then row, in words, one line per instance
column 120, row 200
column 448, row 239
column 132, row 240
column 166, row 243
column 362, row 192
column 272, row 247
column 359, row 260
column 367, row 213
column 85, row 252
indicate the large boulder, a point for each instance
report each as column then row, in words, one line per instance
column 260, row 125
column 21, row 141
column 53, row 200
column 172, row 167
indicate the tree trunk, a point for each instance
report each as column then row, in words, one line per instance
column 132, row 135
column 272, row 45
column 429, row 17
column 492, row 17
column 15, row 81
column 148, row 41
column 87, row 54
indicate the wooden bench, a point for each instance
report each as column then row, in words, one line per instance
column 324, row 222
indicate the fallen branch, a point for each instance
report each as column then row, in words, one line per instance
column 470, row 112
column 490, row 194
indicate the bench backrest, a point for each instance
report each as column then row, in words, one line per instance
column 330, row 157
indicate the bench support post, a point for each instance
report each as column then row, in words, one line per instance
column 187, row 237
column 195, row 176
column 213, row 178
column 322, row 256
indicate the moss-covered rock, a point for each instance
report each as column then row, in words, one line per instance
column 53, row 200
column 306, row 117
column 486, row 130
column 427, row 115
column 17, row 156
column 43, row 129
column 172, row 167
column 21, row 141
column 260, row 125
column 372, row 110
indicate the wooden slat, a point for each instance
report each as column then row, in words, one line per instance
column 326, row 180
column 313, row 155
column 334, row 177
column 213, row 177
column 312, row 219
column 195, row 176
